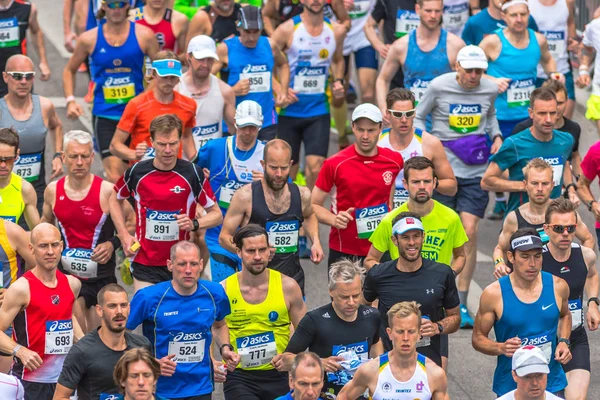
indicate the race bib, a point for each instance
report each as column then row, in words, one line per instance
column 518, row 92
column 406, row 22
column 367, row 219
column 354, row 355
column 543, row 341
column 187, row 347
column 59, row 336
column 557, row 164
column 424, row 341
column 359, row 9
column 283, row 235
column 557, row 45
column 227, row 191
column 9, row 33
column 28, row 166
column 118, row 90
column 109, row 396
column 576, row 313
column 464, row 118
column 310, row 80
column 260, row 82
column 149, row 154
column 79, row 262
column 202, row 134
column 161, row 226
column 418, row 88
column 9, row 218
column 256, row 350
column 456, row 16
column 400, row 197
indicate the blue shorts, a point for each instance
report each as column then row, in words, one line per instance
column 569, row 83
column 469, row 198
column 363, row 58
column 507, row 126
column 222, row 267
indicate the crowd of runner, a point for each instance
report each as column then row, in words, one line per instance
column 213, row 124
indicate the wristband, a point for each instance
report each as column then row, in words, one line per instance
column 565, row 341
column 57, row 154
column 225, row 345
column 595, row 300
column 341, row 80
column 498, row 261
column 69, row 99
column 590, row 204
column 584, row 72
column 17, row 348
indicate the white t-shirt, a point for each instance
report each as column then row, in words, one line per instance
column 591, row 38
column 511, row 396
column 11, row 388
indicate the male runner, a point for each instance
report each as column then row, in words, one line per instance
column 215, row 99
column 159, row 99
column 33, row 117
column 169, row 26
column 590, row 169
column 136, row 374
column 343, row 333
column 18, row 195
column 538, row 184
column 464, row 119
column 88, row 368
column 445, row 235
column 39, row 306
column 527, row 307
column 232, row 161
column 79, row 204
column 402, row 372
column 314, row 46
column 251, row 62
column 360, row 180
column 180, row 318
column 264, row 305
column 18, row 17
column 539, row 141
column 279, row 206
column 411, row 277
column 167, row 192
column 403, row 138
column 423, row 54
column 217, row 20
column 116, row 51
column 576, row 265
column 530, row 372
column 306, row 377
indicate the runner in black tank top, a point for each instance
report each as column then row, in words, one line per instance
column 282, row 229
column 523, row 223
column 222, row 26
column 13, row 39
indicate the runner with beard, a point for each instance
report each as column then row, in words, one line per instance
column 280, row 207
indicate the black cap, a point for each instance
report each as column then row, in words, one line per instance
column 249, row 18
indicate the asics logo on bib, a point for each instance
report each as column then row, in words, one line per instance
column 206, row 130
column 367, row 212
column 407, row 15
column 187, row 337
column 61, row 326
column 523, row 83
column 466, row 109
column 554, row 35
column 117, row 81
column 234, row 185
column 418, row 83
column 553, row 160
column 282, row 227
column 156, row 215
column 7, row 24
column 80, row 253
column 358, row 348
column 111, row 397
column 254, row 68
column 574, row 305
column 534, row 341
column 311, row 71
column 254, row 340
column 27, row 160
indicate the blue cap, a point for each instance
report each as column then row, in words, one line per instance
column 167, row 67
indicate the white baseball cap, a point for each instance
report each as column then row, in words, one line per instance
column 367, row 110
column 202, row 46
column 472, row 57
column 529, row 360
column 248, row 112
column 407, row 224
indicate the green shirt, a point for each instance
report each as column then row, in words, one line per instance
column 444, row 233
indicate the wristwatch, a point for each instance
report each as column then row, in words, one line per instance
column 440, row 328
column 57, row 154
column 196, row 225
column 225, row 345
column 595, row 300
column 590, row 204
column 565, row 341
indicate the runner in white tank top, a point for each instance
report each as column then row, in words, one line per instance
column 11, row 387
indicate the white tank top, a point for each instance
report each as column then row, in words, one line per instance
column 415, row 148
column 389, row 388
column 552, row 22
column 356, row 38
column 456, row 14
column 209, row 111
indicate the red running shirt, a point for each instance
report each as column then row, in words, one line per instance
column 163, row 30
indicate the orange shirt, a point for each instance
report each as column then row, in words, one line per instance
column 142, row 109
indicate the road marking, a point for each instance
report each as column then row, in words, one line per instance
column 481, row 257
column 85, row 119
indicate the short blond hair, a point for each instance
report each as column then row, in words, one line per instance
column 404, row 309
column 536, row 163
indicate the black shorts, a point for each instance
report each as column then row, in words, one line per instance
column 470, row 197
column 255, row 385
column 89, row 290
column 104, row 130
column 444, row 346
column 313, row 131
column 38, row 391
column 150, row 274
column 580, row 350
column 335, row 256
column 268, row 133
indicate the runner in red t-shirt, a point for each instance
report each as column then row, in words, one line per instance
column 360, row 180
column 159, row 99
column 167, row 191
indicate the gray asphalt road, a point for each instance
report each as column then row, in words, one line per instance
column 470, row 373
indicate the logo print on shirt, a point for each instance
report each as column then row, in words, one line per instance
column 273, row 316
column 326, row 315
column 544, row 308
column 386, row 387
column 388, row 177
column 87, row 210
column 420, row 386
column 565, row 269
column 55, row 299
column 177, row 189
column 61, row 198
column 429, row 291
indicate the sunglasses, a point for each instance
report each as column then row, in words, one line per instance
column 7, row 160
column 20, row 75
column 119, row 4
column 402, row 114
column 561, row 228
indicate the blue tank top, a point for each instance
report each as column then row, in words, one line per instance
column 421, row 67
column 256, row 65
column 117, row 74
column 520, row 65
column 535, row 324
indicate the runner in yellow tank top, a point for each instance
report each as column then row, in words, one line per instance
column 263, row 304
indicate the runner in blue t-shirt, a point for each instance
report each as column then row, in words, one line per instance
column 233, row 162
column 179, row 318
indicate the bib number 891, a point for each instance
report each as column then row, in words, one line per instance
column 161, row 229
